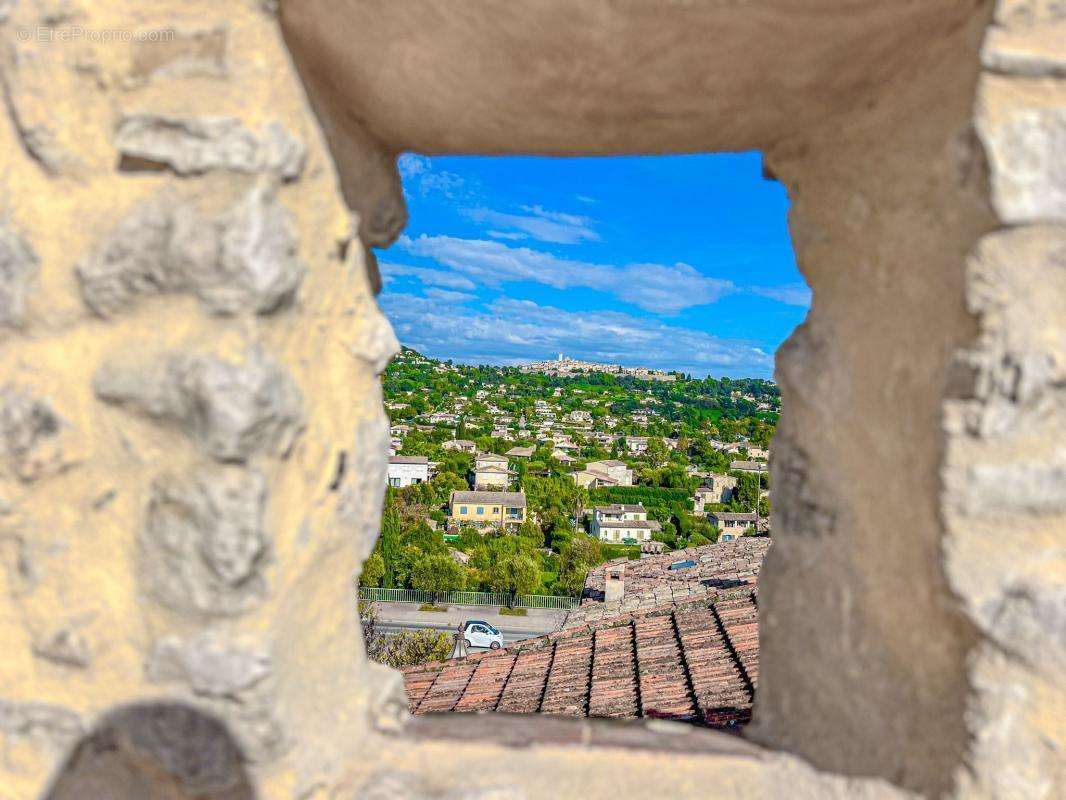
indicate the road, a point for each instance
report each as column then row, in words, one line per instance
column 510, row 636
column 395, row 617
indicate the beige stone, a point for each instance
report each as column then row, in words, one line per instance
column 900, row 653
column 1022, row 123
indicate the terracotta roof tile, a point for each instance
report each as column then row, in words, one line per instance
column 696, row 661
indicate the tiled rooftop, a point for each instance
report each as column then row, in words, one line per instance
column 696, row 662
column 650, row 583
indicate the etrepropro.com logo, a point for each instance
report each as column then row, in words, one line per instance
column 80, row 33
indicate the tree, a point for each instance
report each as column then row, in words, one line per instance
column 764, row 507
column 405, row 649
column 531, row 531
column 657, row 450
column 373, row 570
column 747, row 492
column 515, row 575
column 438, row 574
column 389, row 543
column 581, row 555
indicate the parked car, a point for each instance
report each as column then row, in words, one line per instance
column 480, row 634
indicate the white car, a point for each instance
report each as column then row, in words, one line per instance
column 481, row 634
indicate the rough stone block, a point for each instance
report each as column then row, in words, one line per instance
column 258, row 267
column 1032, row 52
column 152, row 250
column 29, row 434
column 1021, row 14
column 50, row 725
column 1018, row 288
column 243, row 262
column 18, row 265
column 204, row 547
column 233, row 410
column 212, row 663
column 231, row 674
column 1022, row 125
column 191, row 146
column 65, row 646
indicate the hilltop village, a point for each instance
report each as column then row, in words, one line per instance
column 525, row 479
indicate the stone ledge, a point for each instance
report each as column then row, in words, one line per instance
column 541, row 730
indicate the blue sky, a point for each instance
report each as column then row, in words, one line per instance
column 674, row 262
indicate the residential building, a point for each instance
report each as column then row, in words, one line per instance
column 732, row 525
column 520, row 452
column 591, row 480
column 407, row 470
column 563, row 457
column 617, row 523
column 579, row 415
column 463, row 445
column 488, row 508
column 616, row 470
column 490, row 471
column 637, row 445
column 442, row 418
column 485, row 460
column 492, row 477
column 715, row 489
column 755, row 467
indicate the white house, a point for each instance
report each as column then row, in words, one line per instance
column 637, row 445
column 616, row 523
column 462, row 445
column 613, row 469
column 442, row 418
column 406, row 470
column 604, row 473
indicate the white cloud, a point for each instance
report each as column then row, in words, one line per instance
column 508, row 331
column 432, row 277
column 448, row 296
column 662, row 288
column 793, row 294
column 540, row 223
column 503, row 235
column 411, row 164
column 418, row 172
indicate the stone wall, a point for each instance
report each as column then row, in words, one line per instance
column 189, row 351
column 192, row 445
column 1006, row 426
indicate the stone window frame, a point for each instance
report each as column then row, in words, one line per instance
column 922, row 151
column 810, row 512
